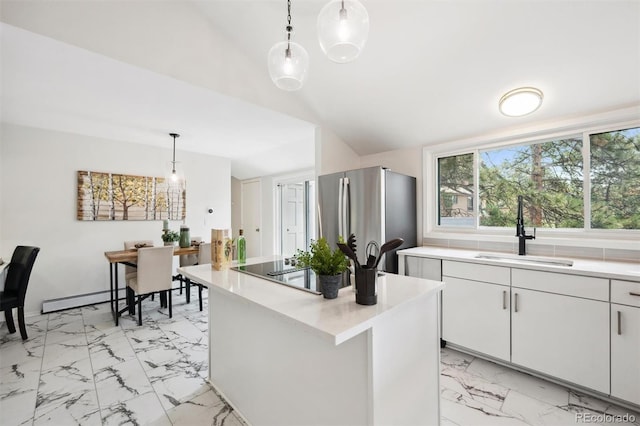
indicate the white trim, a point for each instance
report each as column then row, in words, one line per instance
column 586, row 180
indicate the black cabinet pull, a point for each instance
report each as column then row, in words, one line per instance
column 619, row 323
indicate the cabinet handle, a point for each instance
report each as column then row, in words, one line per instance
column 504, row 299
column 619, row 323
column 516, row 304
column 633, row 294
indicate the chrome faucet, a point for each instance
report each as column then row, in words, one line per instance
column 520, row 231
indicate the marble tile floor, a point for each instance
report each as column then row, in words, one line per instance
column 78, row 368
column 477, row 392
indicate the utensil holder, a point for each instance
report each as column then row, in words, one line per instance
column 366, row 285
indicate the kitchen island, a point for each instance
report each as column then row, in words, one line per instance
column 283, row 356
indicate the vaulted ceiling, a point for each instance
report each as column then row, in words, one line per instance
column 431, row 72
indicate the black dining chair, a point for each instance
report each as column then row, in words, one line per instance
column 15, row 286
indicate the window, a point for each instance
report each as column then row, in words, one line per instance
column 550, row 175
column 615, row 179
column 455, row 181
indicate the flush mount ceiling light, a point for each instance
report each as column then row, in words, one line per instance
column 521, row 101
column 288, row 61
column 174, row 175
column 343, row 27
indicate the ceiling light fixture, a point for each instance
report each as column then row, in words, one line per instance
column 175, row 175
column 288, row 61
column 343, row 27
column 520, row 101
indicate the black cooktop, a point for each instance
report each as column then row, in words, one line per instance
column 277, row 271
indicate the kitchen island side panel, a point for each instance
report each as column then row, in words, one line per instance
column 274, row 373
column 406, row 365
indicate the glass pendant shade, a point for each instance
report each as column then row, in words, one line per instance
column 174, row 176
column 521, row 101
column 288, row 64
column 343, row 27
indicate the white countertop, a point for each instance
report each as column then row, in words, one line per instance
column 336, row 319
column 596, row 268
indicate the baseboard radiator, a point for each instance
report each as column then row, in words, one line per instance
column 77, row 301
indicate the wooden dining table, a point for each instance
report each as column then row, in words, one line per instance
column 129, row 258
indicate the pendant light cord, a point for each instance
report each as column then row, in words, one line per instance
column 289, row 27
column 173, row 163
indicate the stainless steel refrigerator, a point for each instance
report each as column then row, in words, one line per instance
column 374, row 204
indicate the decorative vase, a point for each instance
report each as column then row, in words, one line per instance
column 185, row 238
column 221, row 248
column 329, row 285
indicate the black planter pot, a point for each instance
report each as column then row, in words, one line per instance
column 330, row 284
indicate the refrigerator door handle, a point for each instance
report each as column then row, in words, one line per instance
column 340, row 206
column 347, row 208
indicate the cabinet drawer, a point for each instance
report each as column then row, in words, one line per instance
column 625, row 292
column 570, row 285
column 423, row 267
column 476, row 272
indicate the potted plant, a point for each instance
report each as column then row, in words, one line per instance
column 326, row 263
column 170, row 237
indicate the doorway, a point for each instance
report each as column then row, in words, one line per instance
column 251, row 216
column 296, row 224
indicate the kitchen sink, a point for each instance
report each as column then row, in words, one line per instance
column 526, row 259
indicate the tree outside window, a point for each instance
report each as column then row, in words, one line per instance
column 550, row 175
column 615, row 179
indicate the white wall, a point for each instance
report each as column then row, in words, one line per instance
column 38, row 206
column 333, row 154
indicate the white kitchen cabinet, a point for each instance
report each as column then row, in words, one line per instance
column 421, row 267
column 475, row 314
column 625, row 341
column 427, row 268
column 565, row 325
column 562, row 336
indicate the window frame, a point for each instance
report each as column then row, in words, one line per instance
column 431, row 181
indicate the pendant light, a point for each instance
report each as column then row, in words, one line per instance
column 520, row 101
column 343, row 27
column 288, row 61
column 174, row 175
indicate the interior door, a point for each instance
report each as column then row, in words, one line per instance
column 251, row 216
column 293, row 223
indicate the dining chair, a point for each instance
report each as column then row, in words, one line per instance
column 187, row 260
column 130, row 271
column 153, row 275
column 204, row 258
column 15, row 286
